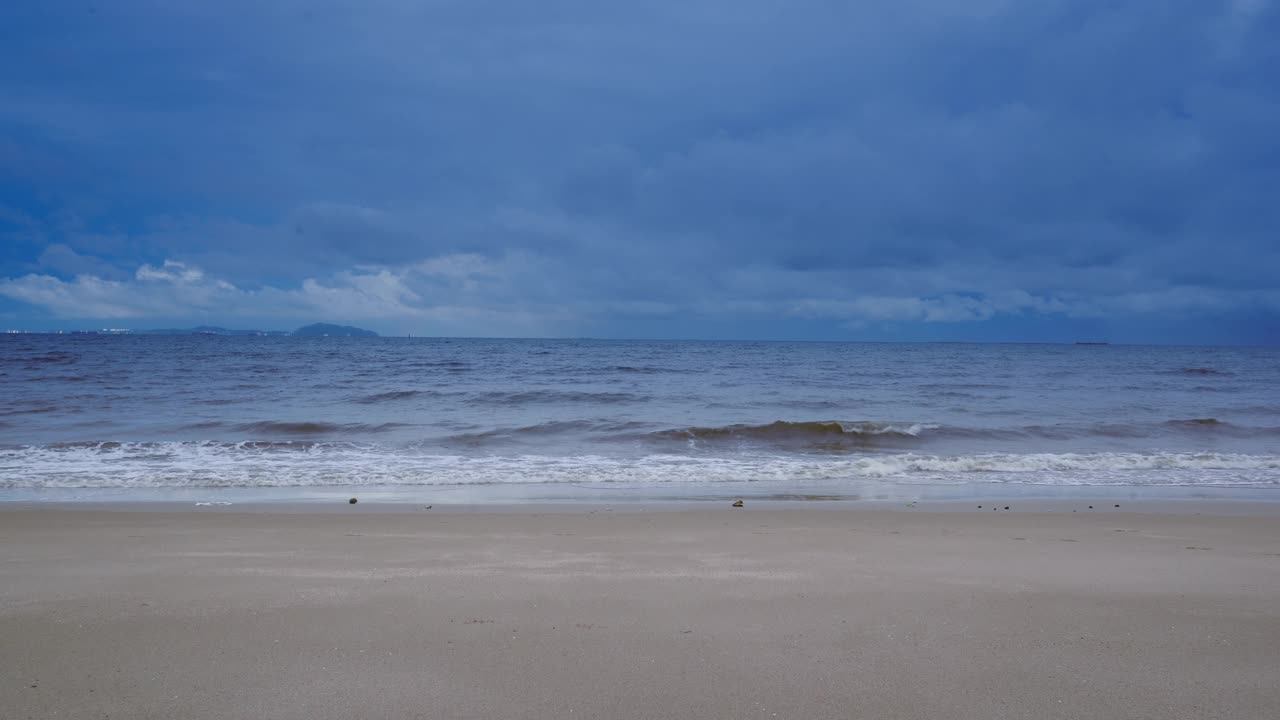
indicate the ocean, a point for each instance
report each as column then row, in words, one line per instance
column 468, row 419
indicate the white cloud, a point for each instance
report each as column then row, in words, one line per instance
column 526, row 295
column 175, row 289
column 172, row 272
column 451, row 293
column 86, row 296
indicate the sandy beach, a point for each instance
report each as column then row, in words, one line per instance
column 695, row 611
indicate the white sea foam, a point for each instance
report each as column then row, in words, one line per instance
column 869, row 428
column 209, row 464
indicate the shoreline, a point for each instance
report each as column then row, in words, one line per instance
column 620, row 494
column 1085, row 506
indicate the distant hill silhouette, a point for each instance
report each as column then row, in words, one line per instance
column 207, row 330
column 329, row 330
column 315, row 330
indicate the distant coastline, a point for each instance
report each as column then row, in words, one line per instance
column 313, row 330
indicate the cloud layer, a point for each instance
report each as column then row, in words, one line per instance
column 920, row 169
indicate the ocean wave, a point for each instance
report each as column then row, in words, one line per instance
column 531, row 397
column 446, row 365
column 859, row 435
column 644, row 369
column 207, row 425
column 397, row 395
column 519, row 433
column 1215, row 426
column 1197, row 423
column 327, row 464
column 791, row 405
column 116, row 449
column 785, row 430
column 274, row 427
column 385, row 396
column 49, row 357
column 31, row 411
column 439, row 363
column 1254, row 410
column 1195, row 371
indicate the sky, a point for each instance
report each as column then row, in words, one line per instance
column 987, row 170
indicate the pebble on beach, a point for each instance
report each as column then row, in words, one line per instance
column 353, row 501
column 738, row 504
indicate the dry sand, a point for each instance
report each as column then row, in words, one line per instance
column 687, row 613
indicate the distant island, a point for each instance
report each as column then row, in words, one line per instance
column 201, row 330
column 328, row 330
column 314, row 330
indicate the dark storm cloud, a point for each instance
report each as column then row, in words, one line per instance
column 818, row 169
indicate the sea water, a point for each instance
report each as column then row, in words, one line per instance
column 573, row 418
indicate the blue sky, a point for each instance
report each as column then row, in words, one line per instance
column 910, row 169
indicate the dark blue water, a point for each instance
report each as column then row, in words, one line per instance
column 183, row 412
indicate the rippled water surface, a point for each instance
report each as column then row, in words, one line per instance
column 181, row 412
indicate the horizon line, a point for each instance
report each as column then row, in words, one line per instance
column 121, row 332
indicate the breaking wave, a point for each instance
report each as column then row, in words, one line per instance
column 822, row 427
column 321, row 464
column 867, row 434
column 784, row 433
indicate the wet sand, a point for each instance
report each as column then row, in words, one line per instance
column 696, row 611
